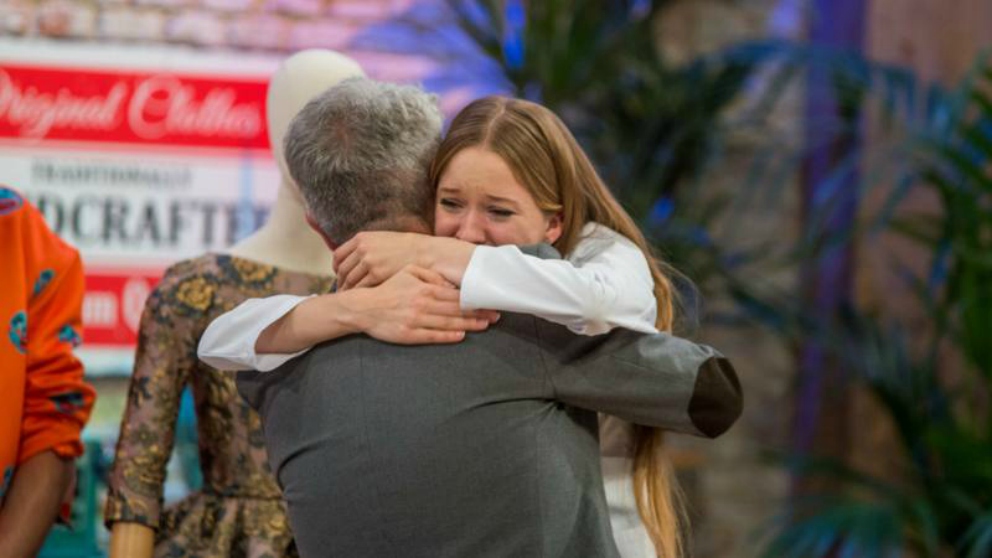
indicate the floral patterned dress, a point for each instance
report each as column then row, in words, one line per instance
column 239, row 511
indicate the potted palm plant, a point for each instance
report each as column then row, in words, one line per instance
column 934, row 383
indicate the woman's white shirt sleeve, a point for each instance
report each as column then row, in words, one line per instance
column 605, row 283
column 228, row 343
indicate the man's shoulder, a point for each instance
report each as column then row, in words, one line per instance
column 256, row 387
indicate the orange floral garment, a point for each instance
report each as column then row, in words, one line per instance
column 44, row 402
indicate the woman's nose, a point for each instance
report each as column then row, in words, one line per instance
column 471, row 229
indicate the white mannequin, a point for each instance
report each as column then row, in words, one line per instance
column 285, row 241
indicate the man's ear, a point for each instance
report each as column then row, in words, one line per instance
column 554, row 229
column 313, row 225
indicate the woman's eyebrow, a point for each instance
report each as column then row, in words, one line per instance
column 448, row 190
column 503, row 200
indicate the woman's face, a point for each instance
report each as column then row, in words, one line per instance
column 480, row 201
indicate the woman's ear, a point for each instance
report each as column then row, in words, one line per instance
column 554, row 229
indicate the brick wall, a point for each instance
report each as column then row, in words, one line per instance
column 735, row 489
column 393, row 40
column 263, row 25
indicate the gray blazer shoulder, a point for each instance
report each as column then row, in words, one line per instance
column 656, row 380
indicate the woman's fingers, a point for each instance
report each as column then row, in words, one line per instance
column 346, row 268
column 492, row 316
column 431, row 337
column 423, row 308
column 453, row 310
column 432, row 328
column 444, row 294
column 367, row 281
column 355, row 276
column 443, row 314
column 450, row 323
column 345, row 251
column 429, row 276
column 378, row 254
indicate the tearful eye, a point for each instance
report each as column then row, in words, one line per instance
column 501, row 213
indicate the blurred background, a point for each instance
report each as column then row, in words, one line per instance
column 819, row 170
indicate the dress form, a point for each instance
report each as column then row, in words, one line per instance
column 286, row 240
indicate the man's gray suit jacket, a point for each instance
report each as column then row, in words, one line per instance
column 485, row 448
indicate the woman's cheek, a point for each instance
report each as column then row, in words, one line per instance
column 444, row 225
column 507, row 233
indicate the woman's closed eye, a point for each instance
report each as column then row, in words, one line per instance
column 450, row 204
column 501, row 213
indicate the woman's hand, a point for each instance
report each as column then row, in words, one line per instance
column 370, row 258
column 414, row 307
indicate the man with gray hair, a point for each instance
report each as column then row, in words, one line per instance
column 366, row 142
column 483, row 448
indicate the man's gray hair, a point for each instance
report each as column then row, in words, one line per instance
column 359, row 153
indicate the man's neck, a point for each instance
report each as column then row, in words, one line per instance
column 408, row 224
column 414, row 225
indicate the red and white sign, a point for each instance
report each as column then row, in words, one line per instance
column 113, row 305
column 138, row 157
column 39, row 102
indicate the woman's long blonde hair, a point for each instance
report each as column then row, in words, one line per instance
column 547, row 160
